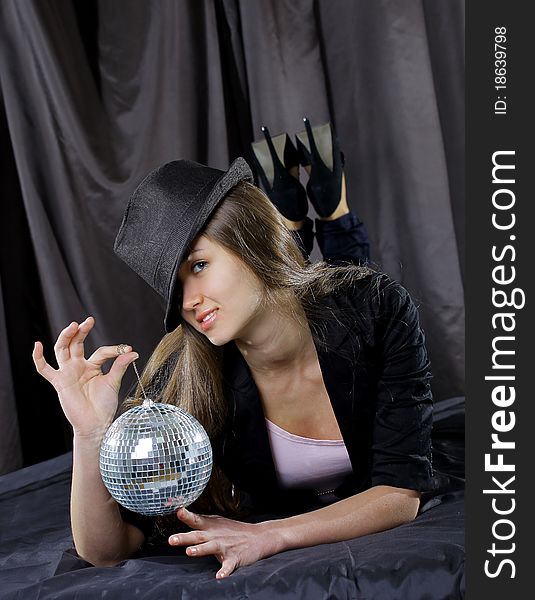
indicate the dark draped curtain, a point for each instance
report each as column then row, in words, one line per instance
column 93, row 94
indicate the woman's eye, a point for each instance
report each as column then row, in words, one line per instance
column 198, row 266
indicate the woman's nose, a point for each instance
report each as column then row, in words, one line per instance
column 191, row 299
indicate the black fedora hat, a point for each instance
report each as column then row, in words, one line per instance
column 165, row 213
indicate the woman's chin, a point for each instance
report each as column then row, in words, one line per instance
column 216, row 340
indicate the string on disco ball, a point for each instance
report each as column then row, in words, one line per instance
column 147, row 400
column 121, row 349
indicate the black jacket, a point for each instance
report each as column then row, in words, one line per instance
column 375, row 368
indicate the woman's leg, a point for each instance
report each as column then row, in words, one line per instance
column 343, row 239
column 341, row 235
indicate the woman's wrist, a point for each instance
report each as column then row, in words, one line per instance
column 275, row 536
column 89, row 438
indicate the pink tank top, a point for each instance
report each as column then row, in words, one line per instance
column 302, row 462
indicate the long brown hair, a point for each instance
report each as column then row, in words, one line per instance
column 185, row 368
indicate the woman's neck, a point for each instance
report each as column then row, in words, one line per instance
column 276, row 343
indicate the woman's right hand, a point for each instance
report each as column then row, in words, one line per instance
column 87, row 396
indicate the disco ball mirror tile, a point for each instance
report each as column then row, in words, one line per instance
column 155, row 458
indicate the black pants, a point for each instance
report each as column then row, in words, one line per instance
column 344, row 239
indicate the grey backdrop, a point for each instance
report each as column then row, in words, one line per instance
column 93, row 94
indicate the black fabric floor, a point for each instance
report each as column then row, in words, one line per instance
column 420, row 560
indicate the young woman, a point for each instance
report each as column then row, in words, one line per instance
column 312, row 380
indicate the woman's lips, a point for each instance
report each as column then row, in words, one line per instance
column 208, row 321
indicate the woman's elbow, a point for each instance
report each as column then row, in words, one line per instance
column 411, row 509
column 402, row 504
column 111, row 553
column 408, row 505
column 99, row 560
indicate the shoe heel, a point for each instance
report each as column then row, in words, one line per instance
column 319, row 149
column 322, row 137
column 273, row 158
column 264, row 154
column 280, row 146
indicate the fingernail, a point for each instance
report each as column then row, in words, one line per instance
column 175, row 539
column 192, row 550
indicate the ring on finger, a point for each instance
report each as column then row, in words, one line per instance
column 122, row 348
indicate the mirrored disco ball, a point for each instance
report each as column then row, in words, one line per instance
column 155, row 458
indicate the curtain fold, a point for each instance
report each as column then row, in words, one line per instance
column 97, row 93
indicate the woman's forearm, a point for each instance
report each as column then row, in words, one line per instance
column 100, row 534
column 371, row 511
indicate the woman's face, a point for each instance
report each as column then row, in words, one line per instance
column 220, row 295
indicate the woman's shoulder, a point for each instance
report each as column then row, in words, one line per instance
column 372, row 290
column 363, row 300
column 375, row 310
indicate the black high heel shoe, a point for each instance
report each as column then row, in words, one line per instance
column 273, row 158
column 318, row 148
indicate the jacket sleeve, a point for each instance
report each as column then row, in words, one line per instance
column 401, row 447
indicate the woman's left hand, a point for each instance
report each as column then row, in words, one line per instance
column 233, row 543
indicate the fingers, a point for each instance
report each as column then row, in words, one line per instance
column 229, row 566
column 211, row 547
column 203, row 546
column 61, row 347
column 104, row 353
column 70, row 342
column 206, row 549
column 119, row 367
column 43, row 368
column 77, row 343
column 193, row 520
column 186, row 539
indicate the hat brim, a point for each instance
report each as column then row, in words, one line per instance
column 238, row 171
